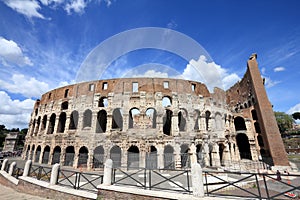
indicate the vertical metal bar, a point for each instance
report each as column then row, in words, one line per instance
column 205, row 175
column 78, row 173
column 75, row 180
column 145, row 179
column 188, row 180
column 267, row 191
column 150, row 179
column 258, row 186
column 39, row 176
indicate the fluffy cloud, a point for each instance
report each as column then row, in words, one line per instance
column 28, row 87
column 15, row 113
column 10, row 52
column 28, row 8
column 294, row 109
column 77, row 6
column 270, row 83
column 279, row 69
column 211, row 74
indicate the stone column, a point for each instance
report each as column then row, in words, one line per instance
column 27, row 168
column 54, row 174
column 197, row 180
column 160, row 156
column 216, row 156
column 67, row 124
column 107, row 172
column 56, row 125
column 192, row 154
column 12, row 168
column 174, row 126
column 142, row 159
column 206, row 154
column 4, row 164
column 177, row 156
column 90, row 160
column 226, row 155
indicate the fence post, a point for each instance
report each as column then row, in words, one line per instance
column 54, row 174
column 12, row 168
column 107, row 172
column 4, row 164
column 197, row 180
column 27, row 167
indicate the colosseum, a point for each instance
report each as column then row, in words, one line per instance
column 155, row 123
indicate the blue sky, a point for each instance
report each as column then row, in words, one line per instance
column 44, row 42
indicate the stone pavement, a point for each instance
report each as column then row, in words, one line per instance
column 7, row 193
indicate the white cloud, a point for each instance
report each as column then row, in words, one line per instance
column 279, row 69
column 15, row 113
column 211, row 74
column 27, row 86
column 10, row 52
column 77, row 6
column 29, row 8
column 294, row 109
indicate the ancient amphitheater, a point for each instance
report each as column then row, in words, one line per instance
column 155, row 123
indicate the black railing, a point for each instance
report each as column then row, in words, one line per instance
column 153, row 179
column 40, row 172
column 79, row 180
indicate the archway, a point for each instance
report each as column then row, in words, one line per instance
column 169, row 157
column 101, row 121
column 83, row 157
column 46, row 154
column 184, row 155
column 56, row 155
column 37, row 154
column 69, row 157
column 115, row 155
column 151, row 158
column 244, row 146
column 98, row 159
column 133, row 157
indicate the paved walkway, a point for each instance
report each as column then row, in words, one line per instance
column 7, row 193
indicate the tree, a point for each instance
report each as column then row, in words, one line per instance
column 284, row 121
column 296, row 115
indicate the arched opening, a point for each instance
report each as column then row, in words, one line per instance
column 169, row 157
column 167, row 122
column 244, row 146
column 207, row 117
column 37, row 154
column 66, row 93
column 151, row 117
column 196, row 119
column 73, row 120
column 134, row 117
column 257, row 127
column 117, row 121
column 133, row 157
column 46, row 155
column 65, row 105
column 33, row 127
column 103, row 102
column 87, row 118
column 56, row 155
column 199, row 154
column 221, row 151
column 62, row 122
column 239, row 124
column 27, row 152
column 69, row 157
column 44, row 122
column 151, row 158
column 51, row 124
column 210, row 149
column 98, row 159
column 184, row 155
column 166, row 101
column 254, row 115
column 182, row 116
column 101, row 121
column 260, row 141
column 115, row 155
column 38, row 124
column 32, row 152
column 83, row 157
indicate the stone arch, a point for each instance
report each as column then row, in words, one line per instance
column 87, row 118
column 37, row 154
column 239, row 124
column 169, row 162
column 133, row 157
column 101, row 121
column 38, row 123
column 51, row 124
column 56, row 155
column 182, row 118
column 73, row 120
column 103, row 102
column 243, row 145
column 134, row 117
column 117, row 119
column 151, row 158
column 115, row 155
column 69, row 156
column 184, row 155
column 44, row 122
column 65, row 105
column 166, row 101
column 207, row 117
column 83, row 157
column 46, row 155
column 151, row 115
column 167, row 122
column 61, row 122
column 98, row 159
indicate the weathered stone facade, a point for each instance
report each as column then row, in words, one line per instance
column 154, row 123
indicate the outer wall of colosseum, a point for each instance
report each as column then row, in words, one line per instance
column 154, row 123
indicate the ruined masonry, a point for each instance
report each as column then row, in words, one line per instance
column 155, row 123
